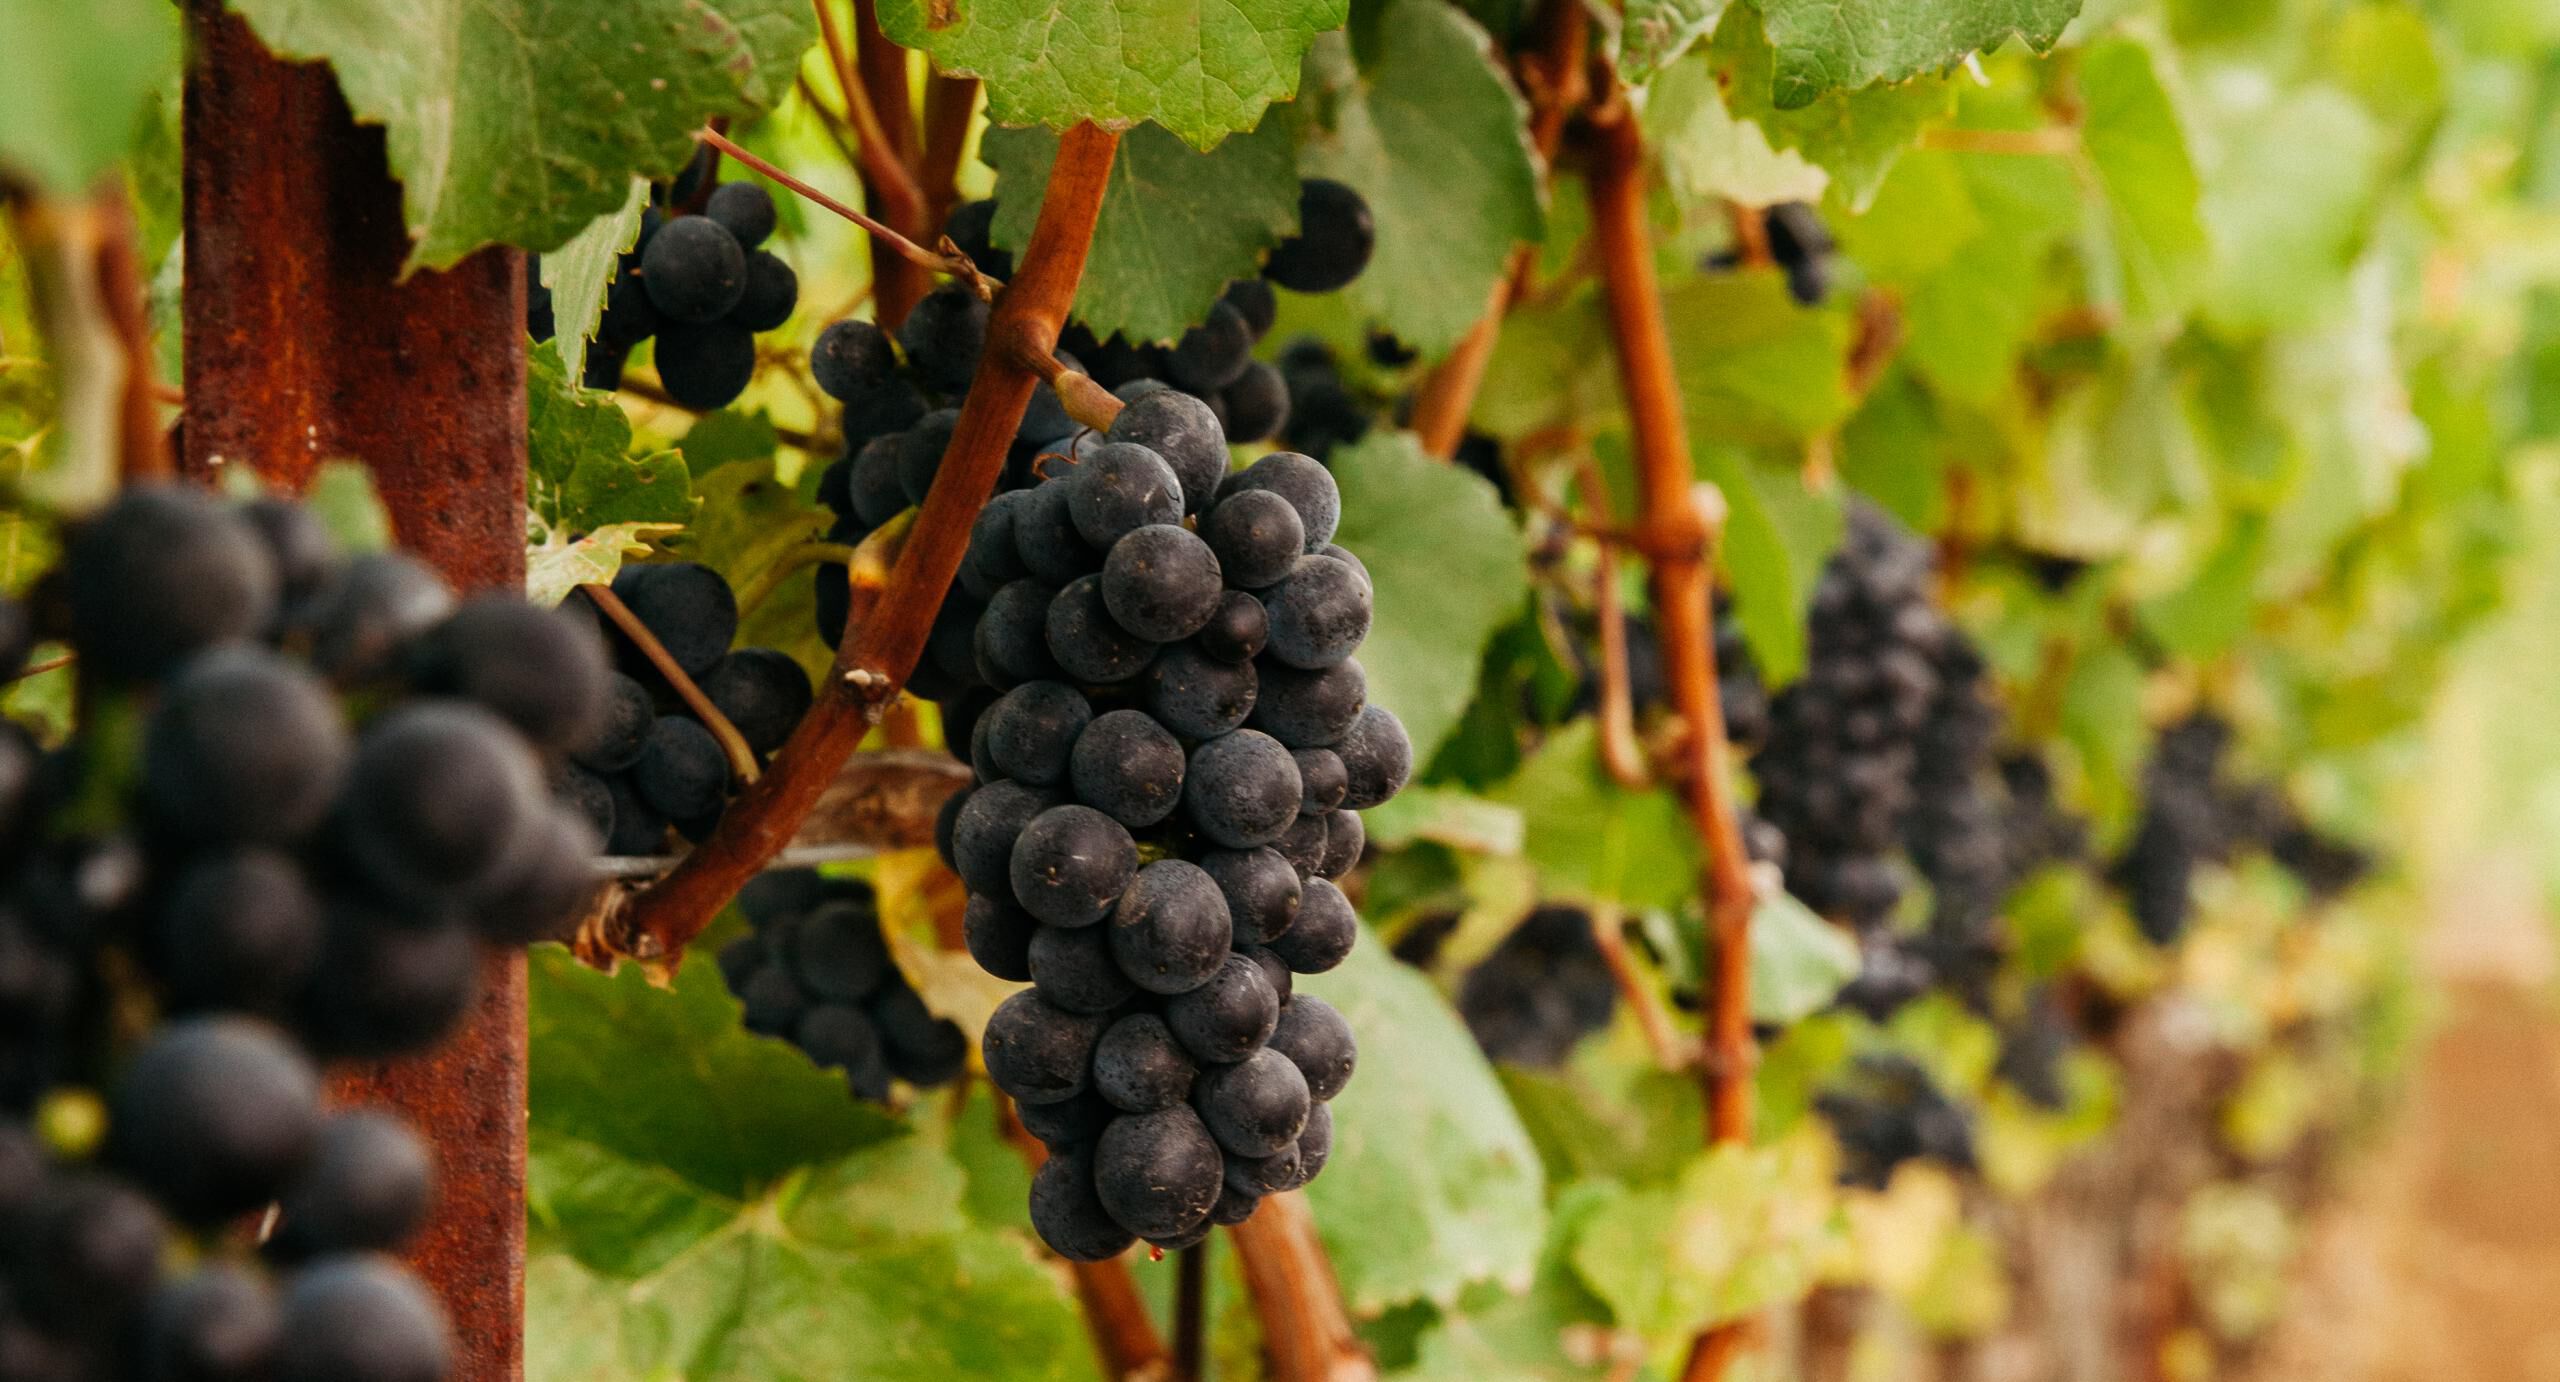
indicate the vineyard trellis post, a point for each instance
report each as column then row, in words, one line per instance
column 304, row 344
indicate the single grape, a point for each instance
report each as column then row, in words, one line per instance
column 1237, row 632
column 745, row 209
column 1013, row 635
column 1256, row 404
column 638, row 827
column 944, row 334
column 1315, row 1142
column 1171, row 930
column 775, row 894
column 1310, row 709
column 239, row 931
column 1275, row 972
column 299, row 543
column 1253, row 300
column 842, row 1038
column 706, row 365
column 382, row 988
column 983, row 838
column 85, row 1254
column 1139, row 1067
column 773, row 1001
column 1210, row 356
column 971, row 227
column 773, row 293
column 1257, row 537
column 920, row 451
column 1324, row 932
column 694, row 269
column 1227, row 1018
column 1276, row 1174
column 1186, row 433
column 1300, row 479
column 439, row 796
column 999, row 936
column 1122, row 488
column 1377, row 758
column 1302, row 844
column 1162, row 583
column 1069, row 1124
column 1263, row 892
column 1256, row 1106
column 1072, row 968
column 216, row 1324
column 682, row 771
column 1312, row 1034
column 1345, row 837
column 360, row 620
column 873, row 485
column 688, row 607
column 924, row 1049
column 160, row 574
column 545, row 672
column 1045, row 536
column 1158, row 1173
column 852, row 360
column 1242, row 789
column 1032, row 731
column 1323, row 778
column 214, row 1116
column 1070, row 863
column 1319, row 615
column 992, row 563
column 836, row 952
column 763, row 692
column 1335, row 238
column 1087, row 643
column 1037, row 1051
column 1067, row 1211
column 366, row 1189
column 1129, row 767
column 1197, row 696
column 362, row 1319
column 246, row 748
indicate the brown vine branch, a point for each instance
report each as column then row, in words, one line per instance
column 1085, row 400
column 1608, row 932
column 1552, row 71
column 886, row 631
column 950, row 104
column 881, row 160
column 1305, row 1330
column 1618, row 752
column 1682, row 591
column 882, row 81
column 733, row 745
column 1191, row 1312
column 936, row 261
column 142, row 443
column 37, row 669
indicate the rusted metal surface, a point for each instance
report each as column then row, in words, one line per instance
column 304, row 345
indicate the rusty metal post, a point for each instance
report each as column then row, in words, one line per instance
column 303, row 344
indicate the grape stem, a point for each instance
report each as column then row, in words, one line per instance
column 1551, row 71
column 1680, row 541
column 1124, row 1334
column 1618, row 751
column 882, row 165
column 950, row 105
column 946, row 260
column 733, row 745
column 1608, row 933
column 886, row 627
column 1190, row 1312
column 784, row 567
column 37, row 669
column 1085, row 401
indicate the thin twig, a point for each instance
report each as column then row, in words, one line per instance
column 950, row 106
column 1191, row 1312
column 144, row 443
column 1682, row 585
column 1618, row 751
column 1608, row 932
column 1085, row 400
column 878, row 158
column 37, row 669
column 644, row 387
column 733, row 745
column 955, row 264
column 709, row 182
column 885, row 631
column 882, row 84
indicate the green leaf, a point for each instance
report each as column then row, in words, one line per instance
column 1201, row 70
column 1776, row 538
column 1841, row 45
column 521, row 121
column 1741, row 1229
column 342, row 496
column 2284, row 227
column 2213, row 608
column 726, row 437
column 2138, row 149
column 1424, row 121
column 1447, row 816
column 556, row 563
column 1176, row 226
column 579, row 272
column 1402, row 1222
column 1753, row 366
column 72, row 82
column 754, row 529
column 1499, row 1332
column 1654, row 33
column 1799, row 962
column 580, row 473
column 1590, row 837
column 723, row 1110
column 1449, row 568
column 1854, row 135
column 1709, row 156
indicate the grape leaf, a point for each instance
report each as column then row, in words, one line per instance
column 556, row 563
column 1842, row 45
column 1855, row 136
column 2284, row 228
column 1522, row 1335
column 1777, row 536
column 1202, row 70
column 2139, row 151
column 1423, row 120
column 579, row 272
column 72, row 83
column 1754, row 367
column 341, row 495
column 1449, row 569
column 1403, row 1226
column 522, row 121
column 1742, row 1228
column 580, row 472
column 1654, row 33
column 1590, row 837
column 1176, row 226
column 1798, row 960
column 1708, row 156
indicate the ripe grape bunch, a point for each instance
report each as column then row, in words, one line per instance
column 305, row 791
column 654, row 762
column 815, row 971
column 1172, row 743
column 699, row 284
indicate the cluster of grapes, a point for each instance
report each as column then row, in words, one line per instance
column 699, row 284
column 1799, row 244
column 1159, row 667
column 1544, row 988
column 815, row 971
column 652, row 762
column 1886, row 1110
column 1254, row 401
column 305, row 790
